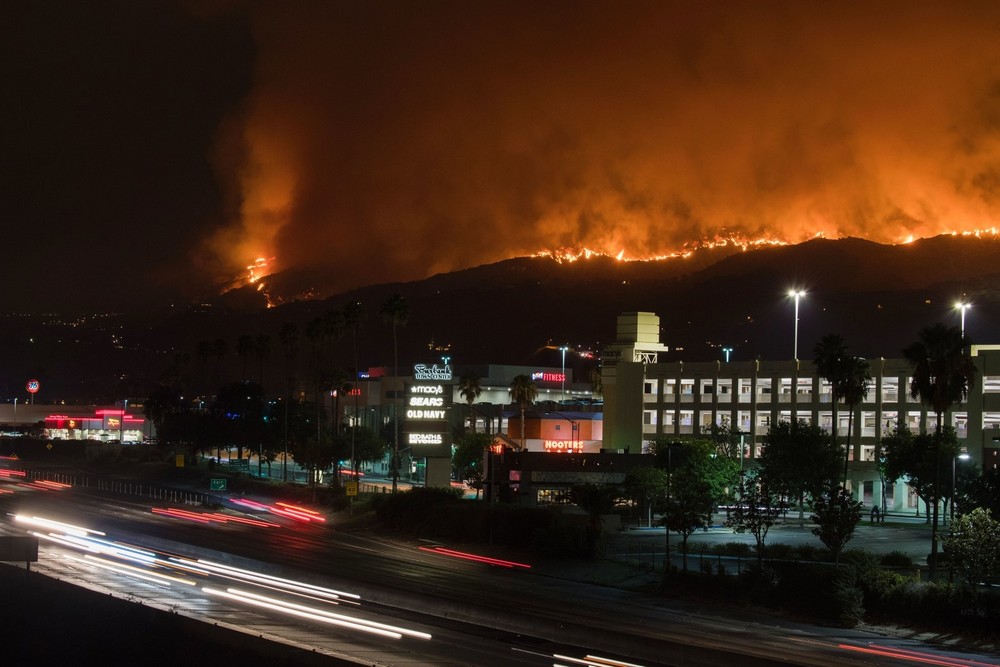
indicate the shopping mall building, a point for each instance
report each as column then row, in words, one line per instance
column 645, row 400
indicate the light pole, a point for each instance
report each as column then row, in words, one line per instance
column 727, row 351
column 961, row 306
column 121, row 426
column 796, row 294
column 562, row 390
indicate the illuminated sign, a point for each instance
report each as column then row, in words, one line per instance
column 425, row 417
column 33, row 386
column 423, row 372
column 563, row 446
column 539, row 376
column 424, row 438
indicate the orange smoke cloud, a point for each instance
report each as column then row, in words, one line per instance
column 389, row 141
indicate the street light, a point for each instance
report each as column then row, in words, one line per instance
column 962, row 307
column 727, row 351
column 562, row 391
column 796, row 294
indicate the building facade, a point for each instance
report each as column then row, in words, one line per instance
column 645, row 400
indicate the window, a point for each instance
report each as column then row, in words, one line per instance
column 890, row 389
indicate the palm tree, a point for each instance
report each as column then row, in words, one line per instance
column 333, row 329
column 469, row 389
column 942, row 375
column 354, row 317
column 523, row 393
column 316, row 334
column 219, row 348
column 855, row 383
column 850, row 379
column 828, row 357
column 244, row 347
column 204, row 353
column 395, row 311
column 289, row 336
column 262, row 349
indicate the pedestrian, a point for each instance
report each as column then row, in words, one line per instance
column 874, row 514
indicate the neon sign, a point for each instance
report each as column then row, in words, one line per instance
column 547, row 377
column 424, row 438
column 422, row 372
column 563, row 446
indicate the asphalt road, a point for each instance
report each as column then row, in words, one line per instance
column 474, row 613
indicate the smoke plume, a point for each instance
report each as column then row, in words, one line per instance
column 393, row 140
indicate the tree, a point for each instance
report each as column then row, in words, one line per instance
column 262, row 350
column 728, row 441
column 918, row 458
column 316, row 335
column 522, row 393
column 467, row 461
column 850, row 379
column 469, row 389
column 690, row 503
column 244, row 348
column 982, row 491
column 289, row 337
column 836, row 515
column 828, row 357
column 856, row 381
column 644, row 485
column 758, row 508
column 799, row 460
column 239, row 407
column 161, row 402
column 595, row 500
column 973, row 546
column 219, row 349
column 368, row 446
column 354, row 318
column 204, row 353
column 395, row 311
column 943, row 373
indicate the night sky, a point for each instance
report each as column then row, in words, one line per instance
column 151, row 150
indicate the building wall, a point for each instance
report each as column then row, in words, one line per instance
column 644, row 402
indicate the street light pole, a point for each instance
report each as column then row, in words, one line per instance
column 961, row 306
column 121, row 426
column 796, row 294
column 562, row 391
column 726, row 351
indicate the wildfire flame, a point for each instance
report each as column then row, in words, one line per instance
column 568, row 255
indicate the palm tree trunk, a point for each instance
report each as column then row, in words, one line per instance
column 395, row 383
column 847, row 452
column 937, row 493
column 522, row 427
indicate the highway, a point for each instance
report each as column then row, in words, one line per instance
column 365, row 600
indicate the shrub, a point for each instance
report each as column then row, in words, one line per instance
column 896, row 559
column 733, row 549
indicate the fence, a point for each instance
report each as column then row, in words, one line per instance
column 647, row 551
column 124, row 488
